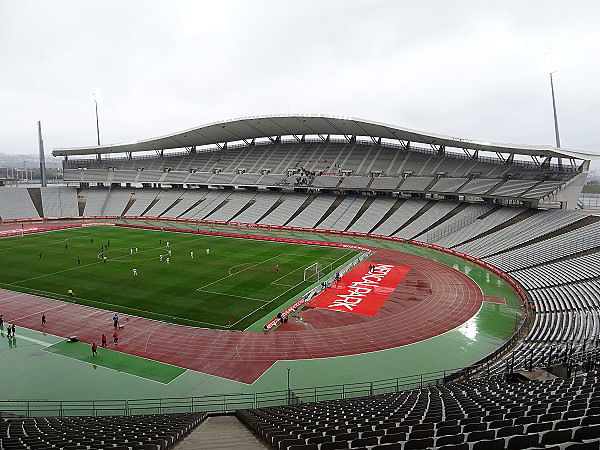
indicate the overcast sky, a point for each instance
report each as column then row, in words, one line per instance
column 468, row 69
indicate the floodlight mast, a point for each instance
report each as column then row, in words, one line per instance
column 551, row 68
column 95, row 98
column 42, row 158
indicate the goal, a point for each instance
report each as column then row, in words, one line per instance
column 313, row 272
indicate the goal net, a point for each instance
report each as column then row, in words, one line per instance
column 313, row 272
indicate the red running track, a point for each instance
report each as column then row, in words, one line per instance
column 432, row 299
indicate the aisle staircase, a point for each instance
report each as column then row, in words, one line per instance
column 221, row 432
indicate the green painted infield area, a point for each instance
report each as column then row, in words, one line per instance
column 121, row 362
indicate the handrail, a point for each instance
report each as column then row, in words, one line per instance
column 218, row 403
column 224, row 403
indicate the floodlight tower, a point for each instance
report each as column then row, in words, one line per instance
column 550, row 69
column 96, row 99
column 42, row 157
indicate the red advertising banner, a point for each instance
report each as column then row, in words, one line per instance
column 361, row 291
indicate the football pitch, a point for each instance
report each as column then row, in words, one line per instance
column 225, row 278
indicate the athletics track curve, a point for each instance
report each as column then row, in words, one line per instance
column 432, row 299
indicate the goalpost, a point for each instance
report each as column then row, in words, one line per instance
column 313, row 272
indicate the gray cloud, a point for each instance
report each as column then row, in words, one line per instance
column 469, row 69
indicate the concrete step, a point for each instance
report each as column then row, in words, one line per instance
column 221, row 432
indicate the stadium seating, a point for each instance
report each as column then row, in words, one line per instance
column 234, row 203
column 142, row 199
column 117, row 202
column 477, row 414
column 343, row 215
column 384, row 183
column 210, row 201
column 145, row 432
column 520, row 232
column 16, row 203
column 59, row 201
column 165, row 200
column 285, row 210
column 336, row 164
column 427, row 219
column 400, row 216
column 416, row 184
column 581, row 239
column 479, row 186
column 313, row 212
column 95, row 201
column 259, row 207
column 376, row 210
column 481, row 225
column 448, row 185
column 186, row 201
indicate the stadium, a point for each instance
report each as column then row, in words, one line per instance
column 306, row 282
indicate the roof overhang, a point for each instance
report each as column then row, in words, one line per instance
column 248, row 128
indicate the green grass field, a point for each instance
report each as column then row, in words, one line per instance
column 237, row 280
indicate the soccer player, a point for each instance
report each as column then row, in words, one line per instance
column 70, row 292
column 167, row 244
column 135, row 272
column 136, row 250
column 192, row 255
column 167, row 260
column 94, row 347
column 78, row 262
column 169, row 252
column 40, row 255
column 161, row 258
column 66, row 246
column 207, row 251
column 277, row 268
column 131, row 251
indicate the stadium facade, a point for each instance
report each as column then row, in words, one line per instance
column 336, row 154
column 509, row 206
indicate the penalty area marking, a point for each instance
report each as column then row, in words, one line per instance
column 233, row 295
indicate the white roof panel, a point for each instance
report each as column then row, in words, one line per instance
column 284, row 125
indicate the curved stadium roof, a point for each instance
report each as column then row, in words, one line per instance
column 249, row 128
